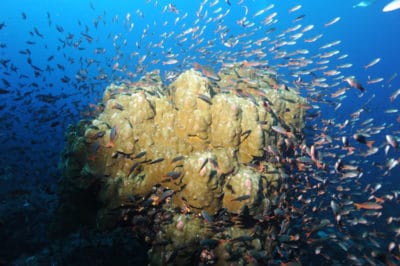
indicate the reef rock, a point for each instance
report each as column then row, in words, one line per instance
column 209, row 144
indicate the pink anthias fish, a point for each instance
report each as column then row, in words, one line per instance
column 354, row 83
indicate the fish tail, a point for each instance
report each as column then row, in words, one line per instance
column 320, row 165
column 290, row 135
column 370, row 143
column 351, row 150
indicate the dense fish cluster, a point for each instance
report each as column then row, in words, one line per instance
column 340, row 199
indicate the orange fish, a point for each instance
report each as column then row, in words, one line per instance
column 368, row 205
column 207, row 71
column 355, row 84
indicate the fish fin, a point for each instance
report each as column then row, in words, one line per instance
column 300, row 166
column 379, row 200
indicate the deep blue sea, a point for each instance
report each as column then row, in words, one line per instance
column 57, row 57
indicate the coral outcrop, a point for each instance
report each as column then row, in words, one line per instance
column 199, row 146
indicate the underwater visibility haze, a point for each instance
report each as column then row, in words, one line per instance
column 212, row 132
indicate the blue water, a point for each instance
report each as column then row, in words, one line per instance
column 38, row 107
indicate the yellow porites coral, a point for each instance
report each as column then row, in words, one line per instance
column 204, row 140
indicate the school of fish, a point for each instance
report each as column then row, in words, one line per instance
column 340, row 205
